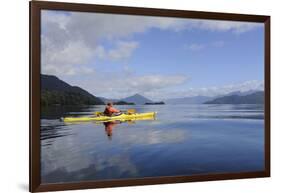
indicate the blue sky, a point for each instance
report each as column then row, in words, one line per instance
column 219, row 58
column 119, row 55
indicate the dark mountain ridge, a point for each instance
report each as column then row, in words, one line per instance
column 57, row 92
column 254, row 98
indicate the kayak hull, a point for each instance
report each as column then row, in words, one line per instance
column 122, row 117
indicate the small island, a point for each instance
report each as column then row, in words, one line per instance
column 123, row 103
column 155, row 103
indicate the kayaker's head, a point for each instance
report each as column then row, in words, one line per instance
column 110, row 104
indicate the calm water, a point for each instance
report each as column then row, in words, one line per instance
column 183, row 140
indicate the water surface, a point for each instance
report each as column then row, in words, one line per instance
column 183, row 140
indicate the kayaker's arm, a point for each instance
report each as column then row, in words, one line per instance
column 113, row 110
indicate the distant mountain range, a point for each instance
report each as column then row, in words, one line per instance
column 57, row 92
column 106, row 100
column 237, row 97
column 188, row 100
column 123, row 103
column 239, row 93
column 156, row 103
column 137, row 99
column 253, row 98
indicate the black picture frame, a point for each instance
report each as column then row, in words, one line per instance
column 37, row 6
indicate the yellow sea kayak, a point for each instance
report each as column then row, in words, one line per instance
column 122, row 117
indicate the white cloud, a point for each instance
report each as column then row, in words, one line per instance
column 196, row 47
column 63, row 60
column 123, row 50
column 116, row 85
column 218, row 44
column 174, row 135
column 216, row 90
column 72, row 39
column 155, row 82
column 156, row 87
column 217, row 25
column 201, row 46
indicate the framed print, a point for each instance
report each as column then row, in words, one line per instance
column 123, row 96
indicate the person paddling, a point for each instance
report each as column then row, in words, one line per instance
column 110, row 110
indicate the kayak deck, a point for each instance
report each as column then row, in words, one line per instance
column 122, row 117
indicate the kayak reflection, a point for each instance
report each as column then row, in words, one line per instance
column 100, row 117
column 108, row 127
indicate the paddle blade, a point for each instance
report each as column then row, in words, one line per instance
column 98, row 113
column 131, row 111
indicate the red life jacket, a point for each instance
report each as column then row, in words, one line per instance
column 107, row 111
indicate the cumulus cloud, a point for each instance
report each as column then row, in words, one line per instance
column 72, row 39
column 217, row 25
column 196, row 47
column 156, row 87
column 152, row 82
column 201, row 46
column 211, row 91
column 73, row 42
column 123, row 50
column 121, row 85
column 218, row 44
column 63, row 60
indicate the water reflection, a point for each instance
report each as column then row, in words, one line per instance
column 108, row 126
column 197, row 139
column 50, row 130
column 98, row 167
